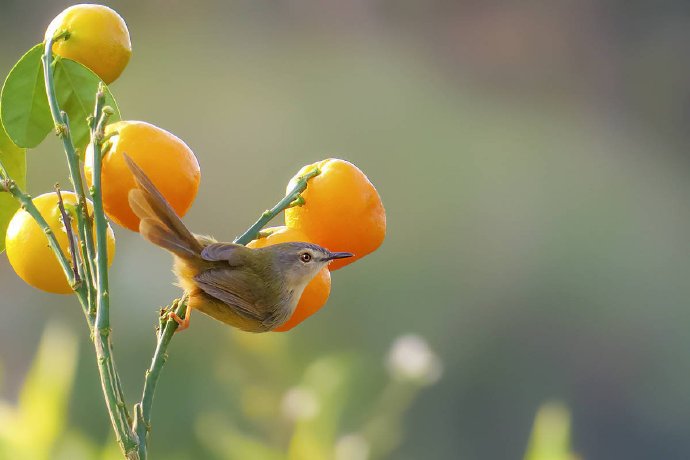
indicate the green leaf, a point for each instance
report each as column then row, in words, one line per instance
column 23, row 104
column 75, row 87
column 14, row 159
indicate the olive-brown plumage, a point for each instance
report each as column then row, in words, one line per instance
column 254, row 290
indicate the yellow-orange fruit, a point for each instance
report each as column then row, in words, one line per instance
column 27, row 246
column 343, row 210
column 98, row 38
column 165, row 158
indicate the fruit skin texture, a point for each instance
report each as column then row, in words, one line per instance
column 317, row 291
column 343, row 210
column 27, row 245
column 165, row 158
column 98, row 39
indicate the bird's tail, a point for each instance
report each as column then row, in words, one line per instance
column 159, row 222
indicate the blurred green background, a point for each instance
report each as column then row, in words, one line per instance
column 532, row 158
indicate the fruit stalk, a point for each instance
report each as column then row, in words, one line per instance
column 142, row 410
column 292, row 198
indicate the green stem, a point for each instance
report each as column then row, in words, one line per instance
column 77, row 266
column 291, row 199
column 88, row 275
column 61, row 121
column 110, row 381
column 103, row 303
column 142, row 423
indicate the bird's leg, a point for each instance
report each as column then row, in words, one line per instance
column 184, row 323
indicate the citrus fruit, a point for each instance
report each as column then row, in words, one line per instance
column 342, row 210
column 97, row 38
column 165, row 158
column 317, row 291
column 27, row 245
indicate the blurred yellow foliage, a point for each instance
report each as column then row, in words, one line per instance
column 550, row 438
column 30, row 429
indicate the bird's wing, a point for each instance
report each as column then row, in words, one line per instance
column 230, row 252
column 231, row 287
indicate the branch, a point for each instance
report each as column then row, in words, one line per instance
column 142, row 422
column 293, row 198
column 110, row 381
column 103, row 301
column 61, row 121
column 67, row 221
column 88, row 275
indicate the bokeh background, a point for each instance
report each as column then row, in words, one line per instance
column 533, row 161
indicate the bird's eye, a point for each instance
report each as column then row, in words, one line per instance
column 305, row 257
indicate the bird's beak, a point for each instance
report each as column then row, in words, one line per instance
column 339, row 255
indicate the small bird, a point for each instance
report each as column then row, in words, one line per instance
column 255, row 290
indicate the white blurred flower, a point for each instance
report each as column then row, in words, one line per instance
column 410, row 358
column 300, row 404
column 352, row 447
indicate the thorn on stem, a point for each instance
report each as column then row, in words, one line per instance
column 61, row 129
column 111, row 134
column 299, row 201
column 265, row 233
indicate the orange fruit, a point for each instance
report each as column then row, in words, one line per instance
column 165, row 158
column 27, row 245
column 317, row 291
column 98, row 38
column 343, row 210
